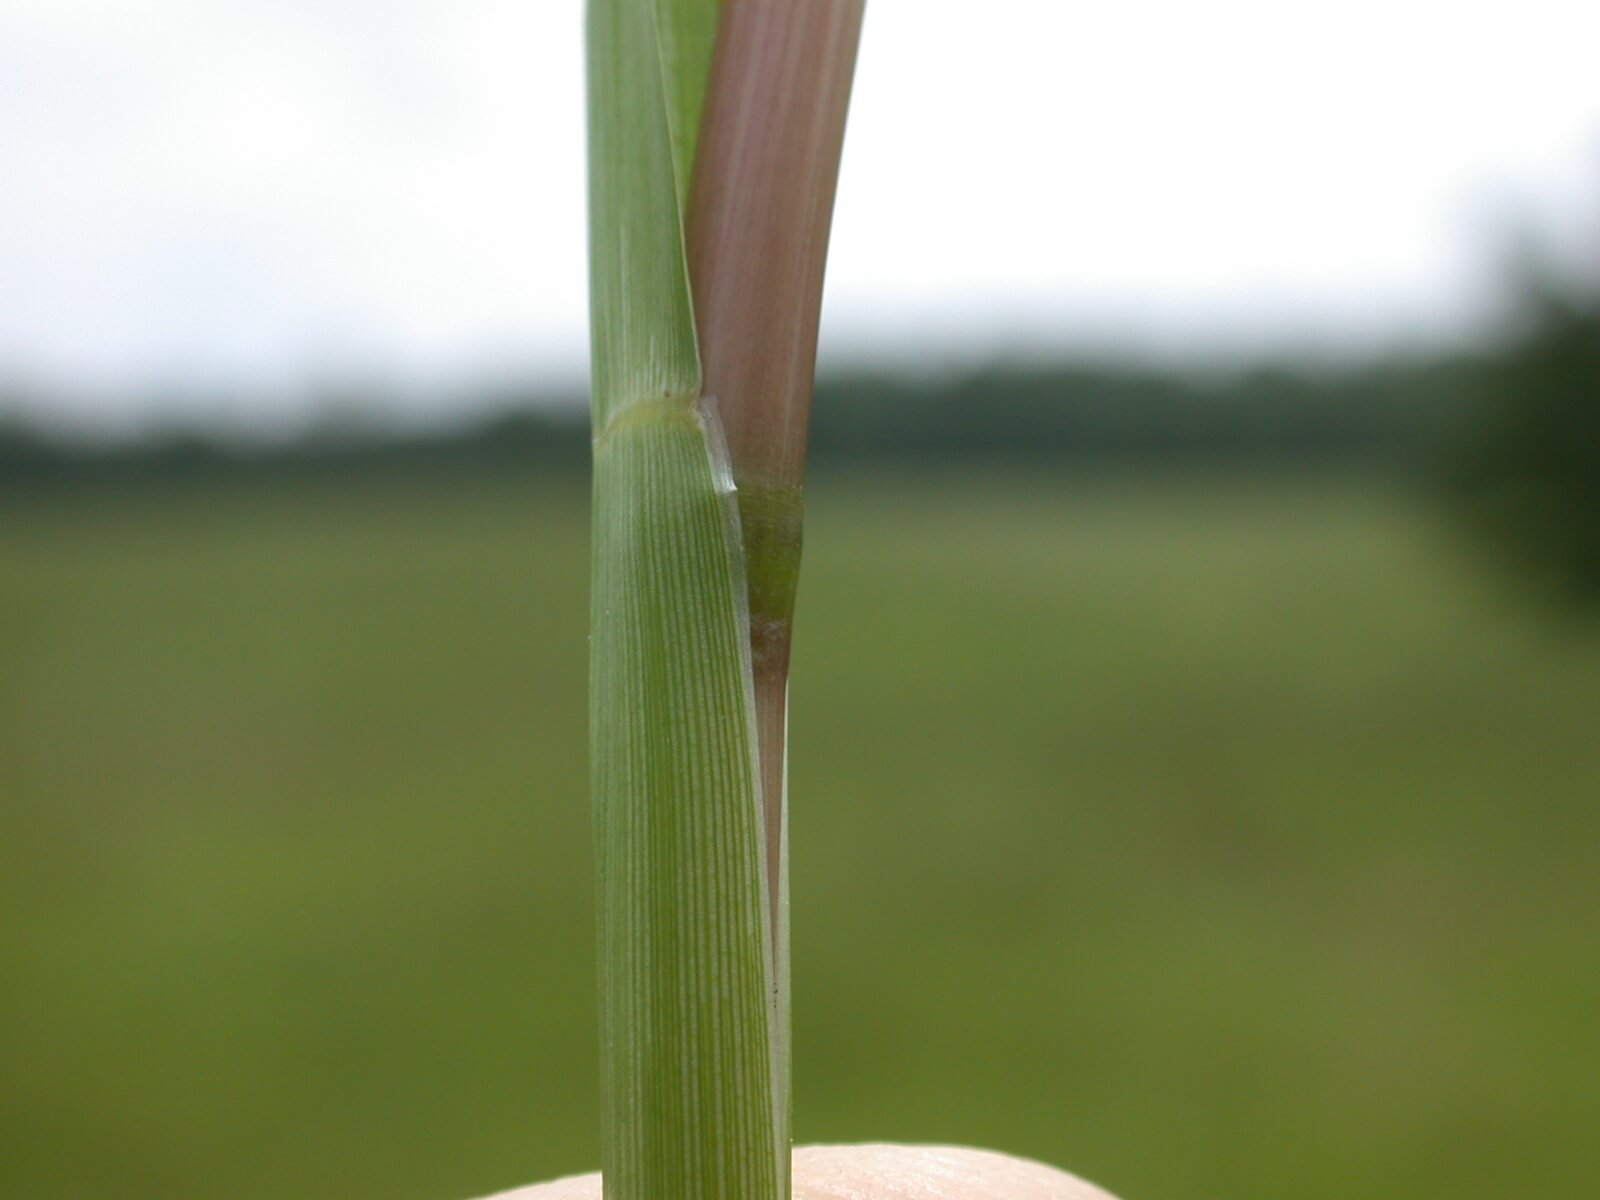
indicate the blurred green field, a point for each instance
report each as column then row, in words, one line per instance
column 1220, row 841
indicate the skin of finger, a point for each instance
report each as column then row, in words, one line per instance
column 882, row 1172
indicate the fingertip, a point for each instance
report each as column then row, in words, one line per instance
column 878, row 1171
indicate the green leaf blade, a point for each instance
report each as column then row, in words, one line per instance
column 687, row 31
column 641, row 316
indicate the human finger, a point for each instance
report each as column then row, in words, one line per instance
column 887, row 1172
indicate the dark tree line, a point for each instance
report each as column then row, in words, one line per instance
column 1066, row 414
column 1510, row 436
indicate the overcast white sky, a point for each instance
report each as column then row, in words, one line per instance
column 253, row 194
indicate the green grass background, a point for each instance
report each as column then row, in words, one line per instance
column 1220, row 840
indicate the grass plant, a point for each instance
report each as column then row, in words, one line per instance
column 715, row 132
